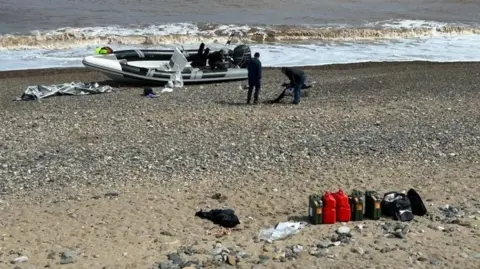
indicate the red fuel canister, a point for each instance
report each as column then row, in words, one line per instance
column 342, row 206
column 329, row 208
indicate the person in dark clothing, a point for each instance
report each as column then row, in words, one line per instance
column 201, row 59
column 254, row 77
column 297, row 79
column 215, row 59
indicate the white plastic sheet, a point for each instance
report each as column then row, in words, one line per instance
column 38, row 92
column 281, row 231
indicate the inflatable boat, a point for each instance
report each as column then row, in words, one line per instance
column 138, row 69
column 152, row 55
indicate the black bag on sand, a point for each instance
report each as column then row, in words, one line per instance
column 397, row 205
column 418, row 208
column 223, row 217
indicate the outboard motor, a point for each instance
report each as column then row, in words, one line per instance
column 241, row 55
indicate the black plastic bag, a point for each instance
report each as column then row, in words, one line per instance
column 397, row 205
column 223, row 217
column 418, row 208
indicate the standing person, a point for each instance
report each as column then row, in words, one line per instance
column 297, row 79
column 254, row 77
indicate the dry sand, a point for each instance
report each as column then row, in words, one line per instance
column 367, row 126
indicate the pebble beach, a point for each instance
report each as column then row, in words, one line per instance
column 114, row 180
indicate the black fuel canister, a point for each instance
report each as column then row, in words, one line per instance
column 315, row 209
column 372, row 205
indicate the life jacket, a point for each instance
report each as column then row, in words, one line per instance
column 103, row 50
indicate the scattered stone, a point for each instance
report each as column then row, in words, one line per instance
column 112, row 194
column 343, row 230
column 319, row 252
column 463, row 255
column 175, row 258
column 67, row 257
column 462, row 223
column 219, row 197
column 324, row 244
column 405, row 229
column 190, row 251
column 451, row 212
column 386, row 249
column 289, row 254
column 434, row 227
column 358, row 250
column 231, row 260
column 297, row 249
column 398, row 234
column 166, row 233
column 51, row 255
column 422, row 259
column 217, row 251
column 218, row 259
column 190, row 264
column 396, row 230
column 167, row 265
column 242, row 255
column 279, row 255
column 20, row 259
column 341, row 237
column 263, row 257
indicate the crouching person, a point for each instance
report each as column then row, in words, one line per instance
column 297, row 78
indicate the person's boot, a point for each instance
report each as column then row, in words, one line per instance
column 255, row 97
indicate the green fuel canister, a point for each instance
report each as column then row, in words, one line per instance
column 357, row 205
column 315, row 209
column 372, row 205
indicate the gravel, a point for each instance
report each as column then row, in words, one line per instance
column 398, row 114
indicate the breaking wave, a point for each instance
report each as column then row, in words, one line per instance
column 189, row 33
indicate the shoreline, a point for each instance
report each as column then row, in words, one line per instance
column 341, row 66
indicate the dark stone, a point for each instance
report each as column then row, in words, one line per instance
column 175, row 258
column 166, row 233
column 112, row 194
column 191, row 263
column 67, row 257
column 398, row 234
column 263, row 257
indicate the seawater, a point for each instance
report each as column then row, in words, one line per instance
column 58, row 33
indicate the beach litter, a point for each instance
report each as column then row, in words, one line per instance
column 223, row 217
column 148, row 92
column 281, row 231
column 38, row 92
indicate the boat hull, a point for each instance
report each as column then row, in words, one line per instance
column 152, row 55
column 123, row 71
